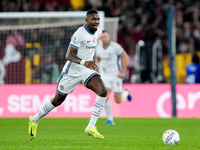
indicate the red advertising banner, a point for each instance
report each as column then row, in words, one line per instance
column 148, row 100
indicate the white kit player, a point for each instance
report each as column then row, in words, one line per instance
column 112, row 71
column 79, row 68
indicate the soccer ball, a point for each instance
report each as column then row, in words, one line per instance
column 171, row 137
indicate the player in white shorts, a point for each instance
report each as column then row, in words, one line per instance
column 79, row 68
column 112, row 71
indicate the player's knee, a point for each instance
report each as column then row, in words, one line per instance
column 118, row 98
column 117, row 101
column 103, row 92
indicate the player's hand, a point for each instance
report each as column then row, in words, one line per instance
column 91, row 65
column 121, row 74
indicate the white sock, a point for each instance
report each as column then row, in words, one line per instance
column 98, row 107
column 44, row 110
column 103, row 115
column 124, row 95
column 108, row 110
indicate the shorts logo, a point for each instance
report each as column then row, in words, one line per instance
column 62, row 87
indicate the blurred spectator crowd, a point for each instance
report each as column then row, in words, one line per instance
column 43, row 50
column 139, row 20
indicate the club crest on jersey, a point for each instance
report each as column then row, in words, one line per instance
column 93, row 40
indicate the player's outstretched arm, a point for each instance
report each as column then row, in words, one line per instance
column 91, row 64
column 98, row 61
column 125, row 60
column 71, row 56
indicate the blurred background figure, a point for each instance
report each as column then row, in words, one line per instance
column 113, row 62
column 193, row 71
column 50, row 71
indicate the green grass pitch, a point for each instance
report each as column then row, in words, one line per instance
column 126, row 134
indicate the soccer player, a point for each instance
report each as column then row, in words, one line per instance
column 79, row 68
column 193, row 71
column 112, row 71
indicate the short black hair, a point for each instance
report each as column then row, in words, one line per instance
column 104, row 31
column 91, row 11
column 195, row 58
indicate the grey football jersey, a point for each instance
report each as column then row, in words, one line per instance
column 110, row 63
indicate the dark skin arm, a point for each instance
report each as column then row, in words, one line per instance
column 98, row 61
column 71, row 56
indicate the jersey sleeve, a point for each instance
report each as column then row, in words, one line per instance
column 119, row 50
column 76, row 39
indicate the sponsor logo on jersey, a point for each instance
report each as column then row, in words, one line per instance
column 90, row 47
